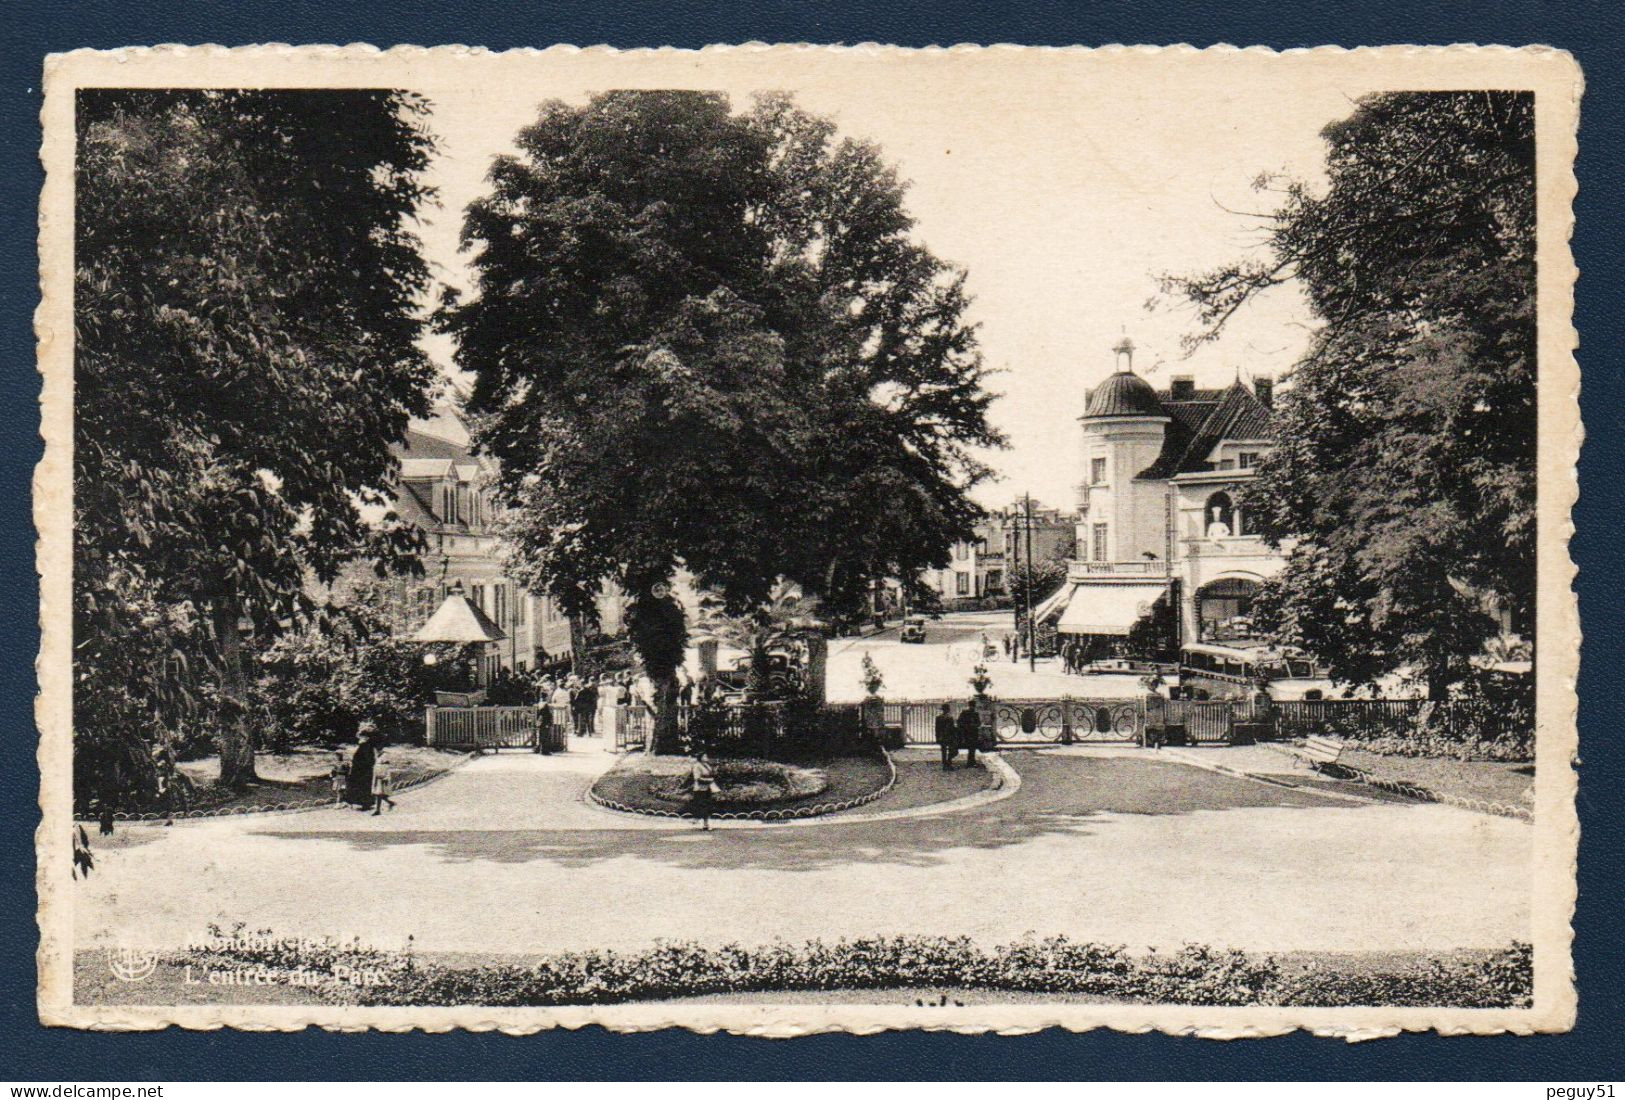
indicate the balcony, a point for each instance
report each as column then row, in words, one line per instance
column 1084, row 570
column 1229, row 546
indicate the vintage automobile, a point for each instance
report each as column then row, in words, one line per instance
column 784, row 677
column 913, row 629
column 1241, row 671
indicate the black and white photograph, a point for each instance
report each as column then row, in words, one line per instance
column 787, row 539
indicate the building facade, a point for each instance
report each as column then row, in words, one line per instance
column 446, row 492
column 1160, row 525
column 1053, row 535
column 978, row 569
column 975, row 574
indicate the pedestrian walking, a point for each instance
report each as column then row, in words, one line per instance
column 358, row 780
column 969, row 730
column 946, row 736
column 383, row 785
column 702, row 783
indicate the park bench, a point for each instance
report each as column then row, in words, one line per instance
column 1319, row 752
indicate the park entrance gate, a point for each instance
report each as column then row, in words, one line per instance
column 1032, row 721
column 491, row 728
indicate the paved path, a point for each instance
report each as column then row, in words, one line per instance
column 504, row 856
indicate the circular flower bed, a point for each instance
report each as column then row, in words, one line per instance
column 747, row 783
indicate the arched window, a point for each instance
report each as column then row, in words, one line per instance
column 1219, row 516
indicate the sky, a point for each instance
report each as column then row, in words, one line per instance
column 1063, row 189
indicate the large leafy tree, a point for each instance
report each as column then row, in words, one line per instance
column 709, row 339
column 1404, row 482
column 247, row 302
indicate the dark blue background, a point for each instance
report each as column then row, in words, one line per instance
column 1590, row 30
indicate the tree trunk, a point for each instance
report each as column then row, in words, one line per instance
column 817, row 667
column 578, row 642
column 233, row 736
column 667, row 737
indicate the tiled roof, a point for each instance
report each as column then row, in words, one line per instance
column 423, row 445
column 1123, row 394
column 1201, row 423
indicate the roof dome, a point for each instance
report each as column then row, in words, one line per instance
column 1124, row 394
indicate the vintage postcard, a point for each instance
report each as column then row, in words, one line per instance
column 788, row 538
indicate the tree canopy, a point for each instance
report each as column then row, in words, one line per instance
column 1404, row 479
column 709, row 339
column 248, row 295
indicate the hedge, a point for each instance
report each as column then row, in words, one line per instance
column 1193, row 975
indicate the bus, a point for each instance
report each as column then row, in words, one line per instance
column 1211, row 671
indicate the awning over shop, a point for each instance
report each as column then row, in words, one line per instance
column 1052, row 606
column 1104, row 608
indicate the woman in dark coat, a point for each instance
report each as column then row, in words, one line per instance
column 358, row 789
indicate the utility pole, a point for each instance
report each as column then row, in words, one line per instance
column 1032, row 627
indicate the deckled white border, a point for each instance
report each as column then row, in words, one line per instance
column 1552, row 74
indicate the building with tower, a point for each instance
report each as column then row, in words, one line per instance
column 1165, row 551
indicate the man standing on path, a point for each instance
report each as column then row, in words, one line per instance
column 970, row 732
column 586, row 708
column 945, row 736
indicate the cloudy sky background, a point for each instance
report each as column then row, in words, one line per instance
column 1062, row 189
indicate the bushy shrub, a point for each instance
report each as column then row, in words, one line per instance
column 1504, row 980
column 318, row 681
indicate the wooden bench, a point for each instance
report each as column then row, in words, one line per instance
column 1319, row 752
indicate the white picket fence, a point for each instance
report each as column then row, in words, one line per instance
column 493, row 728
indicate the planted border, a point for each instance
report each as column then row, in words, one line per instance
column 784, row 814
column 1195, row 974
column 151, row 817
column 1423, row 794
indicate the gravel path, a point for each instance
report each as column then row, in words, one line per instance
column 503, row 855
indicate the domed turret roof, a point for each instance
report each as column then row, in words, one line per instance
column 1124, row 394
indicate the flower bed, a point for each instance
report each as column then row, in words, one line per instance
column 748, row 783
column 1487, row 786
column 762, row 790
column 289, row 781
column 1193, row 975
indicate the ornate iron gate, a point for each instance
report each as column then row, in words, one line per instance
column 1065, row 721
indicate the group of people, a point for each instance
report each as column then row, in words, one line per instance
column 1012, row 647
column 954, row 734
column 592, row 703
column 1076, row 655
column 363, row 777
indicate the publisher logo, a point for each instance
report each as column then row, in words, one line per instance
column 129, row 964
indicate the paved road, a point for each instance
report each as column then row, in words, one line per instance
column 941, row 667
column 503, row 856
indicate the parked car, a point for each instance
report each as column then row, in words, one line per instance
column 784, row 678
column 914, row 629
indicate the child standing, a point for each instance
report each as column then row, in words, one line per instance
column 383, row 785
column 702, row 781
column 340, row 775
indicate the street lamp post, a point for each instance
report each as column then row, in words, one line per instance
column 1027, row 586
